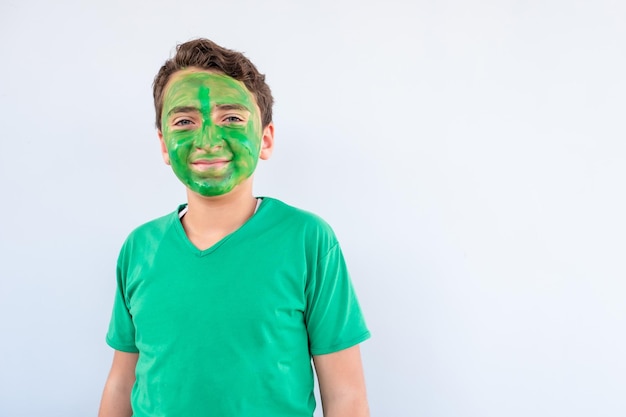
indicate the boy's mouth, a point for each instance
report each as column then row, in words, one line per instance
column 204, row 164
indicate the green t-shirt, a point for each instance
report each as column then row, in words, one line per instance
column 229, row 331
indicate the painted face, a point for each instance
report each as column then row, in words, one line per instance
column 211, row 130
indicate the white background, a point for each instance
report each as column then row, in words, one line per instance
column 469, row 154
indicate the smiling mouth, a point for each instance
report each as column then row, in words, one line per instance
column 209, row 164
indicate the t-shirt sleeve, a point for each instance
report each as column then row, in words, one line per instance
column 333, row 316
column 121, row 334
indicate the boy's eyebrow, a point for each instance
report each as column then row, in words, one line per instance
column 233, row 106
column 183, row 109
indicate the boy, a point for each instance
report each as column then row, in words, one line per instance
column 221, row 304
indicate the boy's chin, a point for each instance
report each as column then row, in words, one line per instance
column 212, row 190
column 214, row 187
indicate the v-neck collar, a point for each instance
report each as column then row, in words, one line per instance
column 178, row 225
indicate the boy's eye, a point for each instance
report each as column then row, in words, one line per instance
column 183, row 122
column 233, row 119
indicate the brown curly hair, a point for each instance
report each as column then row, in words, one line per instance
column 206, row 54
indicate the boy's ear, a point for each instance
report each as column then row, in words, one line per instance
column 267, row 142
column 164, row 153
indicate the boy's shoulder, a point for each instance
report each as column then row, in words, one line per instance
column 155, row 228
column 290, row 220
column 289, row 213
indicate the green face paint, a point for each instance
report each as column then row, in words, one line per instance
column 211, row 128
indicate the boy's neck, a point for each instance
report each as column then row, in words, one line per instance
column 209, row 219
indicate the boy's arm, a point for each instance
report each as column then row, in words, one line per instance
column 342, row 384
column 116, row 396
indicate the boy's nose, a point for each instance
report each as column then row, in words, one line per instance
column 210, row 137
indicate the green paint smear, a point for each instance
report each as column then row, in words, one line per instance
column 210, row 137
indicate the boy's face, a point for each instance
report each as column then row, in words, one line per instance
column 211, row 131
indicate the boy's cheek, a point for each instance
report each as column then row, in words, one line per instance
column 179, row 151
column 244, row 146
column 178, row 138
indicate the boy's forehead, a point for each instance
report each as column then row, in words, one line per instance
column 194, row 81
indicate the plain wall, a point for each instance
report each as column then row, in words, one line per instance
column 470, row 156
